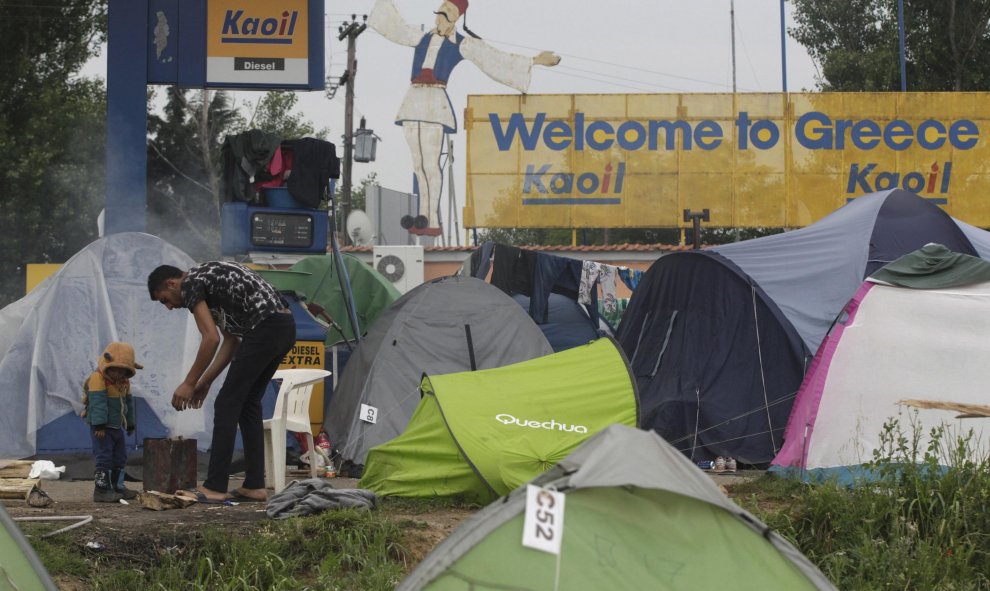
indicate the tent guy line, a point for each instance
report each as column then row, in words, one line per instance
column 780, row 400
column 767, row 432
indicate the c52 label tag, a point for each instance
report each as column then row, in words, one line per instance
column 543, row 525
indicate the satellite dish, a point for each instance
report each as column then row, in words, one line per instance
column 359, row 228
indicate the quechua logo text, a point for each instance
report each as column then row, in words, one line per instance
column 551, row 425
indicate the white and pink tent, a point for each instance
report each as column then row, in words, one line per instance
column 918, row 328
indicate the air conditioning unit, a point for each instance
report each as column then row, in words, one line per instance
column 401, row 265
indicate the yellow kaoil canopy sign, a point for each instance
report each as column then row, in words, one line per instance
column 770, row 160
column 254, row 42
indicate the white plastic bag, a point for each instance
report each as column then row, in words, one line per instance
column 46, row 470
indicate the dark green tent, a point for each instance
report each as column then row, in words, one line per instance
column 316, row 278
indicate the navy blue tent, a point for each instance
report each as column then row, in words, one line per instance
column 567, row 326
column 719, row 377
column 547, row 287
column 716, row 361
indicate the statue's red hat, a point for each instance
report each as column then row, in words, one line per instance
column 462, row 5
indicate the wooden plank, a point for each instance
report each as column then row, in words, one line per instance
column 157, row 501
column 15, row 468
column 968, row 411
column 16, row 488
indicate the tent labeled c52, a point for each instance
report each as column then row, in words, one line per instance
column 481, row 434
column 636, row 515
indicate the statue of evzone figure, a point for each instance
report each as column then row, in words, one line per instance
column 426, row 113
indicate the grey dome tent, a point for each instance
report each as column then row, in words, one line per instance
column 637, row 515
column 719, row 340
column 812, row 272
column 447, row 325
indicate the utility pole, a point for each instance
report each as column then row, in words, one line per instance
column 732, row 20
column 349, row 31
column 783, row 47
column 900, row 37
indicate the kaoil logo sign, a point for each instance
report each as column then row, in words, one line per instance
column 238, row 28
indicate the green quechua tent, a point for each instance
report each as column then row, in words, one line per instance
column 19, row 565
column 480, row 434
column 636, row 514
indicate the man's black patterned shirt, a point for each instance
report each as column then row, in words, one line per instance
column 238, row 298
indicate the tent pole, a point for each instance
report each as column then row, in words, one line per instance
column 345, row 281
column 470, row 344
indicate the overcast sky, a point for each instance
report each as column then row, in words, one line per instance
column 619, row 46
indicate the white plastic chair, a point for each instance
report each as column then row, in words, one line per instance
column 291, row 414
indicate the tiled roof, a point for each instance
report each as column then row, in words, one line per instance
column 558, row 248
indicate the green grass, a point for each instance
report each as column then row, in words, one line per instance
column 923, row 523
column 59, row 555
column 345, row 550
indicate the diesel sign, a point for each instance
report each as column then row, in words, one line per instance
column 259, row 63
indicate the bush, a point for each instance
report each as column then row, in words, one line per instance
column 921, row 522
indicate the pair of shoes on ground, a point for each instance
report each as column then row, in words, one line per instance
column 720, row 465
column 724, row 465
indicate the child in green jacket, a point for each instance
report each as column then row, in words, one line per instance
column 109, row 409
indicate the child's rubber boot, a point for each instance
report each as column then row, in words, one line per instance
column 104, row 492
column 118, row 485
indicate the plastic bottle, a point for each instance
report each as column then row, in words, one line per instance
column 323, row 448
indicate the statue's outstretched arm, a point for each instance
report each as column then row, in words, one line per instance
column 511, row 69
column 385, row 19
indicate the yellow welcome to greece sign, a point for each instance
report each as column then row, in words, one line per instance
column 770, row 160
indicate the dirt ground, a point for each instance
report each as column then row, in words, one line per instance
column 129, row 532
column 114, row 525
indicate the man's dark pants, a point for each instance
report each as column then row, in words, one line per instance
column 239, row 401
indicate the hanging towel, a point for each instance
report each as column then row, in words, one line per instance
column 630, row 277
column 602, row 274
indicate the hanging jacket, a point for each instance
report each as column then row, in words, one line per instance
column 245, row 155
column 315, row 163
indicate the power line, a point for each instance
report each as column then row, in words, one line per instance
column 560, row 73
column 616, row 65
column 633, row 80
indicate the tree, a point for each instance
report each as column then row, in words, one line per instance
column 52, row 134
column 274, row 114
column 184, row 169
column 855, row 43
column 359, row 194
